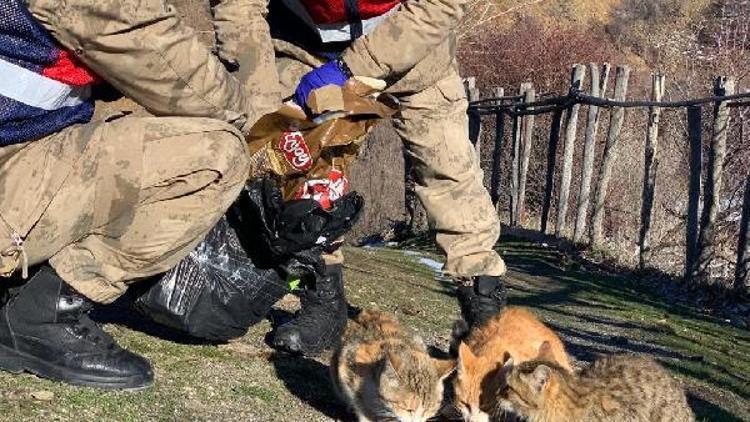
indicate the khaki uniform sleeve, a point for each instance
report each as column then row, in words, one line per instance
column 243, row 42
column 405, row 38
column 143, row 49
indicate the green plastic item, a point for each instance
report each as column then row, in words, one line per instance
column 294, row 284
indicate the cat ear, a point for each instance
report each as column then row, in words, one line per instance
column 507, row 357
column 538, row 379
column 394, row 361
column 506, row 365
column 465, row 356
column 444, row 367
column 465, row 353
column 389, row 371
column 545, row 352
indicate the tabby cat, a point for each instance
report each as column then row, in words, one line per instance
column 515, row 333
column 385, row 374
column 623, row 388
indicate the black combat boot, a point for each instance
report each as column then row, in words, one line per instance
column 482, row 299
column 45, row 329
column 320, row 322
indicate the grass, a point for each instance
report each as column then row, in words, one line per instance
column 602, row 313
column 245, row 381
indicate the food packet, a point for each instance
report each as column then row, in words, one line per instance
column 311, row 158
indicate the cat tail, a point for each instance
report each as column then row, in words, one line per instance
column 459, row 332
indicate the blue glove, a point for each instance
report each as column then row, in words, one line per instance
column 328, row 74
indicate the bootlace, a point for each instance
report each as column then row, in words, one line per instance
column 89, row 330
column 83, row 326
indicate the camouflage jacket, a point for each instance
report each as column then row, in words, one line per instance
column 394, row 47
column 143, row 49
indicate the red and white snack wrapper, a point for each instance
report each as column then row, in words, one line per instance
column 311, row 158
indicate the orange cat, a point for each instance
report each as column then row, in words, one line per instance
column 515, row 333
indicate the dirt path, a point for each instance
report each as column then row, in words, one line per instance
column 246, row 381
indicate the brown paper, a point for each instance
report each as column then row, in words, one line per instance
column 311, row 158
column 327, row 99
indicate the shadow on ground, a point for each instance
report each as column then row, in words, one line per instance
column 310, row 381
column 122, row 313
column 707, row 409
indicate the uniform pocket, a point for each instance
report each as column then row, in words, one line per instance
column 452, row 88
column 29, row 180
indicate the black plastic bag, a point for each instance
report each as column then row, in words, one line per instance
column 233, row 278
column 293, row 233
column 216, row 292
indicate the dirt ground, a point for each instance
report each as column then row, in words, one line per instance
column 245, row 381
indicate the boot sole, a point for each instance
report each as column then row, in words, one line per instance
column 312, row 352
column 17, row 362
column 307, row 350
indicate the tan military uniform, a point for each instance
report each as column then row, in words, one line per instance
column 112, row 202
column 415, row 49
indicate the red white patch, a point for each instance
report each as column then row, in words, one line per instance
column 69, row 70
column 325, row 191
column 296, row 152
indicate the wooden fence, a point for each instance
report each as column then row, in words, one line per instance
column 521, row 109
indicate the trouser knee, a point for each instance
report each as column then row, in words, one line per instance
column 226, row 153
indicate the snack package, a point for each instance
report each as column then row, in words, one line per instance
column 310, row 158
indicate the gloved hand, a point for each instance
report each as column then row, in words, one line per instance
column 330, row 73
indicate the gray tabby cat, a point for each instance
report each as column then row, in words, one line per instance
column 622, row 388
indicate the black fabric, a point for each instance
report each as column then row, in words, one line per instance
column 293, row 233
column 355, row 20
column 289, row 21
column 216, row 292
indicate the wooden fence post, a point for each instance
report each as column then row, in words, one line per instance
column 599, row 85
column 650, row 168
column 610, row 153
column 716, row 156
column 515, row 165
column 527, row 138
column 571, row 129
column 554, row 139
column 695, row 131
column 497, row 152
column 742, row 272
column 475, row 120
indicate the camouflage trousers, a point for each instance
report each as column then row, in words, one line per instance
column 110, row 203
column 433, row 126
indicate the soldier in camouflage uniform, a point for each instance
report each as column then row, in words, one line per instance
column 412, row 46
column 92, row 207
